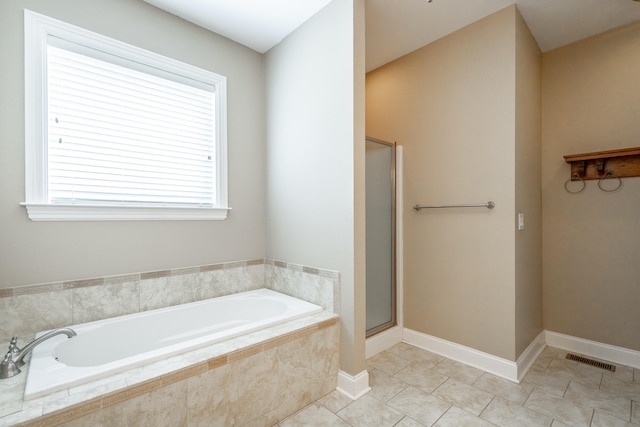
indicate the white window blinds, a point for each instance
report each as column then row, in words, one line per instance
column 120, row 132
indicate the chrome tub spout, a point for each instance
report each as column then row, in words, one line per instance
column 14, row 358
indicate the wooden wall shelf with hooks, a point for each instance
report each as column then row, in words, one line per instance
column 623, row 163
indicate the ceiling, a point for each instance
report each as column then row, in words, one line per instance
column 397, row 27
column 258, row 24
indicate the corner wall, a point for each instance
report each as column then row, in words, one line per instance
column 315, row 157
column 590, row 98
column 38, row 252
column 451, row 104
column 528, row 198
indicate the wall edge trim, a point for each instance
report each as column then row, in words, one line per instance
column 469, row 356
column 383, row 341
column 353, row 387
column 529, row 355
column 606, row 352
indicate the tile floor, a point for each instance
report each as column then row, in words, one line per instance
column 413, row 387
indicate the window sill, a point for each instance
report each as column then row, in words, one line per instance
column 49, row 212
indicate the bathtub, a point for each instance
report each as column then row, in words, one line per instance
column 106, row 347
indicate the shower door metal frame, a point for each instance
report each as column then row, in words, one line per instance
column 393, row 322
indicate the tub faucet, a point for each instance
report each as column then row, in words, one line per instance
column 14, row 358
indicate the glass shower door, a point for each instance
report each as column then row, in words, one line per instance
column 380, row 229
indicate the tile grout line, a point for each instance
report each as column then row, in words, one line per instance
column 529, row 395
column 445, row 413
column 593, row 413
column 485, row 408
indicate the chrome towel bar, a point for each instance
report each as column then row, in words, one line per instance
column 488, row 205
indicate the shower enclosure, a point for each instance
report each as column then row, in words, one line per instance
column 380, row 171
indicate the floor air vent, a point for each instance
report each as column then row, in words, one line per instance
column 591, row 362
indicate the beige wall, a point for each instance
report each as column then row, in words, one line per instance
column 528, row 286
column 591, row 244
column 35, row 252
column 315, row 157
column 452, row 105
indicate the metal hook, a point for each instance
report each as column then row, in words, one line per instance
column 574, row 177
column 609, row 174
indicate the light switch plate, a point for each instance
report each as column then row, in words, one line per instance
column 520, row 221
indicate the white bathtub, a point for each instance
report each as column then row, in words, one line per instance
column 105, row 347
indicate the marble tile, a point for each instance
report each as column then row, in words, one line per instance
column 260, row 382
column 541, row 363
column 421, row 377
column 266, row 387
column 384, row 386
column 304, row 284
column 299, row 382
column 35, row 289
column 414, row 354
column 19, row 417
column 458, row 371
column 10, row 407
column 316, row 289
column 207, row 284
column 456, row 417
column 53, row 401
column 601, row 419
column 503, row 413
column 241, row 279
column 147, row 372
column 11, row 391
column 553, row 353
column 282, row 279
column 623, row 373
column 388, row 362
column 314, row 415
column 517, row 393
column 101, row 302
column 419, row 405
column 408, row 422
column 550, row 383
column 25, row 315
column 164, row 406
column 630, row 390
column 159, row 292
column 464, row 396
column 98, row 387
column 207, row 406
column 63, row 400
column 368, row 411
column 335, row 401
column 566, row 411
column 186, row 285
column 110, row 416
column 608, row 402
column 574, row 371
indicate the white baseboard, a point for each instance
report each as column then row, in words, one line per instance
column 357, row 386
column 460, row 353
column 383, row 340
column 606, row 352
column 353, row 387
column 530, row 354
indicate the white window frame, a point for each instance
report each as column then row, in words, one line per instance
column 38, row 28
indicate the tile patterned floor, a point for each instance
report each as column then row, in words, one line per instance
column 412, row 387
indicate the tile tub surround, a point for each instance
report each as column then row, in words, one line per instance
column 318, row 286
column 256, row 379
column 26, row 310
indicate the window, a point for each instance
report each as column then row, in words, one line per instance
column 114, row 132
